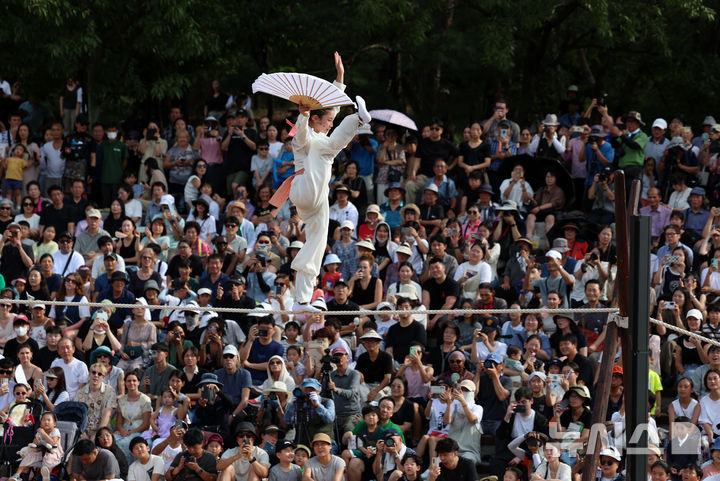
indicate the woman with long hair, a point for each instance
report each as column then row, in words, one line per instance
column 32, row 154
column 192, row 186
column 46, row 245
column 133, row 413
column 127, row 244
column 104, row 439
column 384, row 247
column 33, row 373
column 406, row 412
column 157, row 234
column 113, row 222
column 71, row 290
column 710, row 406
column 139, row 332
column 273, row 143
column 56, row 392
column 566, row 325
column 365, row 289
column 261, row 201
column 133, row 207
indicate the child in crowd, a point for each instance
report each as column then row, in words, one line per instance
column 285, row 470
column 214, row 445
column 290, row 337
column 513, row 361
column 294, row 363
column 331, row 265
column 46, row 447
column 163, row 418
column 130, row 178
column 13, row 167
column 434, row 412
column 302, row 454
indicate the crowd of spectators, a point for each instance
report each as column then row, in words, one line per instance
column 162, row 213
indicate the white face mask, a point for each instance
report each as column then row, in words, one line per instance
column 112, row 135
column 21, row 331
column 469, row 397
column 98, row 332
column 191, row 321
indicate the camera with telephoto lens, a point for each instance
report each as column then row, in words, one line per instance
column 488, row 364
column 151, row 134
column 302, row 405
column 593, row 139
column 602, row 178
column 328, row 360
column 390, row 442
column 602, row 100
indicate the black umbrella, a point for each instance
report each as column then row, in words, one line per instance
column 535, row 169
column 588, row 232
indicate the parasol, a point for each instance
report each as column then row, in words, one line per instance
column 394, row 117
column 302, row 88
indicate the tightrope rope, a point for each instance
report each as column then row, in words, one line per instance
column 685, row 332
column 362, row 312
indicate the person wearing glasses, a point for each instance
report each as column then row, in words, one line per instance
column 100, row 399
column 192, row 186
column 66, row 260
column 6, row 206
column 237, row 463
column 28, row 215
column 261, row 164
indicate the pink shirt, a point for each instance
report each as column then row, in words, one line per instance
column 210, row 150
column 572, row 155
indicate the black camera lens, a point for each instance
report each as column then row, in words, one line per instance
column 488, row 364
column 389, row 442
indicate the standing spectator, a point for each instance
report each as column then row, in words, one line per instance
column 52, row 164
column 464, row 418
column 113, row 155
column 429, row 150
column 546, row 143
column 633, row 141
column 71, row 98
column 493, row 391
column 239, row 146
column 439, row 292
column 58, row 214
column 179, row 161
column 16, row 257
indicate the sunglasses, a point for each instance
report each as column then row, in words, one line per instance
column 27, row 204
column 230, row 225
column 228, row 356
column 5, row 371
column 147, row 257
column 97, row 356
column 608, row 462
column 96, row 373
column 5, row 208
column 275, row 362
column 435, row 128
column 71, row 281
column 202, row 166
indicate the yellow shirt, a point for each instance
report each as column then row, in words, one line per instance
column 15, row 166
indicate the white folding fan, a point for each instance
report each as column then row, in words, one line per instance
column 302, row 88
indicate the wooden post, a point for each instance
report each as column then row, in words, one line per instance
column 613, row 331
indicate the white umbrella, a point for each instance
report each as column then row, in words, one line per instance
column 394, row 117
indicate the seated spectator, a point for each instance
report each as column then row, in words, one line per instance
column 569, row 348
column 375, row 365
column 117, row 293
column 214, row 407
column 47, row 354
column 93, row 463
column 46, row 448
column 391, row 450
column 457, row 363
column 558, row 279
column 452, row 466
column 464, row 419
column 520, row 419
column 147, row 467
column 55, row 393
column 193, row 463
column 320, row 412
column 246, row 461
column 272, row 410
column 259, row 348
column 156, row 377
column 405, row 332
column 440, row 292
column 100, row 398
column 21, row 326
column 361, row 443
column 76, row 371
column 547, row 203
column 324, row 466
column 236, row 380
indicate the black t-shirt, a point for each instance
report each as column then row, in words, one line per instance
column 78, row 208
column 405, row 414
column 195, row 263
column 4, row 224
column 586, row 369
column 400, row 338
column 474, row 156
column 12, row 266
column 44, row 358
column 245, row 302
column 429, row 151
column 374, row 371
column 584, row 420
column 349, row 305
column 493, row 409
column 433, row 212
column 11, row 348
column 439, row 292
column 464, row 471
column 239, row 154
column 58, row 218
column 207, row 462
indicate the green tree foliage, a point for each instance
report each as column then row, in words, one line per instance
column 425, row 57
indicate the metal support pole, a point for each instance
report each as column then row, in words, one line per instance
column 636, row 400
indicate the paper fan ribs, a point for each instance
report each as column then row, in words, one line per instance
column 302, row 88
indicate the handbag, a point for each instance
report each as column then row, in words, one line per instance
column 133, row 352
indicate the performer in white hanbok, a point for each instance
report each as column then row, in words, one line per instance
column 309, row 188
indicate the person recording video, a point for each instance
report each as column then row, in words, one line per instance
column 310, row 413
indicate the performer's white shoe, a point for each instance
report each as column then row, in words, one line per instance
column 362, row 110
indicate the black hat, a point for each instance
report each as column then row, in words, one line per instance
column 490, row 323
column 285, row 443
column 118, row 276
column 65, row 235
column 340, row 281
column 245, row 427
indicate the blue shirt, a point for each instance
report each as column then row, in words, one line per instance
column 365, row 159
column 446, row 191
column 262, row 353
column 118, row 317
column 496, row 163
column 392, row 217
column 594, row 166
column 233, row 384
column 696, row 221
column 253, row 286
column 205, row 281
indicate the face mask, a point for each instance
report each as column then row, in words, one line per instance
column 469, row 397
column 21, row 331
column 112, row 135
column 191, row 321
column 262, row 247
column 98, row 332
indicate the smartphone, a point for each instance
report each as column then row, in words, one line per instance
column 555, row 378
column 413, row 350
column 437, row 391
column 541, row 259
column 503, row 132
column 263, row 333
column 293, row 210
column 263, row 262
column 669, row 305
column 208, row 393
column 278, row 289
column 190, row 459
column 4, row 381
column 476, row 236
column 520, row 408
column 435, row 461
column 714, row 262
column 577, row 130
column 672, row 259
column 405, row 230
column 452, row 232
column 564, row 404
column 38, row 383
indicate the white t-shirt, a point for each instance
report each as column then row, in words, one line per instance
column 61, row 259
column 242, row 466
column 349, row 212
column 144, row 472
column 133, row 209
column 709, row 413
column 98, row 267
column 208, row 226
column 168, row 454
column 481, row 269
column 516, row 192
column 51, row 163
column 482, row 350
column 34, row 220
column 76, row 374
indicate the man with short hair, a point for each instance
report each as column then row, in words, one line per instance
column 76, row 371
column 569, row 348
column 16, row 257
column 592, row 324
column 345, row 383
column 658, row 143
column 558, row 279
column 452, row 466
column 659, row 213
column 490, row 127
column 236, row 380
column 343, row 209
column 66, row 260
column 406, row 332
column 105, row 246
column 155, row 378
column 52, row 162
column 154, row 208
column 194, row 463
column 246, row 460
column 259, row 348
column 447, row 192
column 48, row 353
column 214, row 276
column 421, row 164
column 239, row 147
column 493, row 391
column 438, row 247
column 439, row 292
column 58, row 214
column 342, row 302
column 147, row 467
column 324, row 466
column 698, row 375
column 87, row 241
column 118, row 293
column 91, row 463
column 375, row 365
column 672, row 241
column 391, row 450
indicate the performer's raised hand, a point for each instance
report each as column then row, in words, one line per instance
column 304, row 110
column 339, row 68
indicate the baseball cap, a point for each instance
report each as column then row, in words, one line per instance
column 537, row 374
column 339, row 350
column 696, row 313
column 284, row 444
column 660, row 123
column 494, row 357
column 554, row 254
column 347, row 224
column 697, row 191
column 204, row 290
column 230, row 349
column 93, row 213
column 311, row 382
